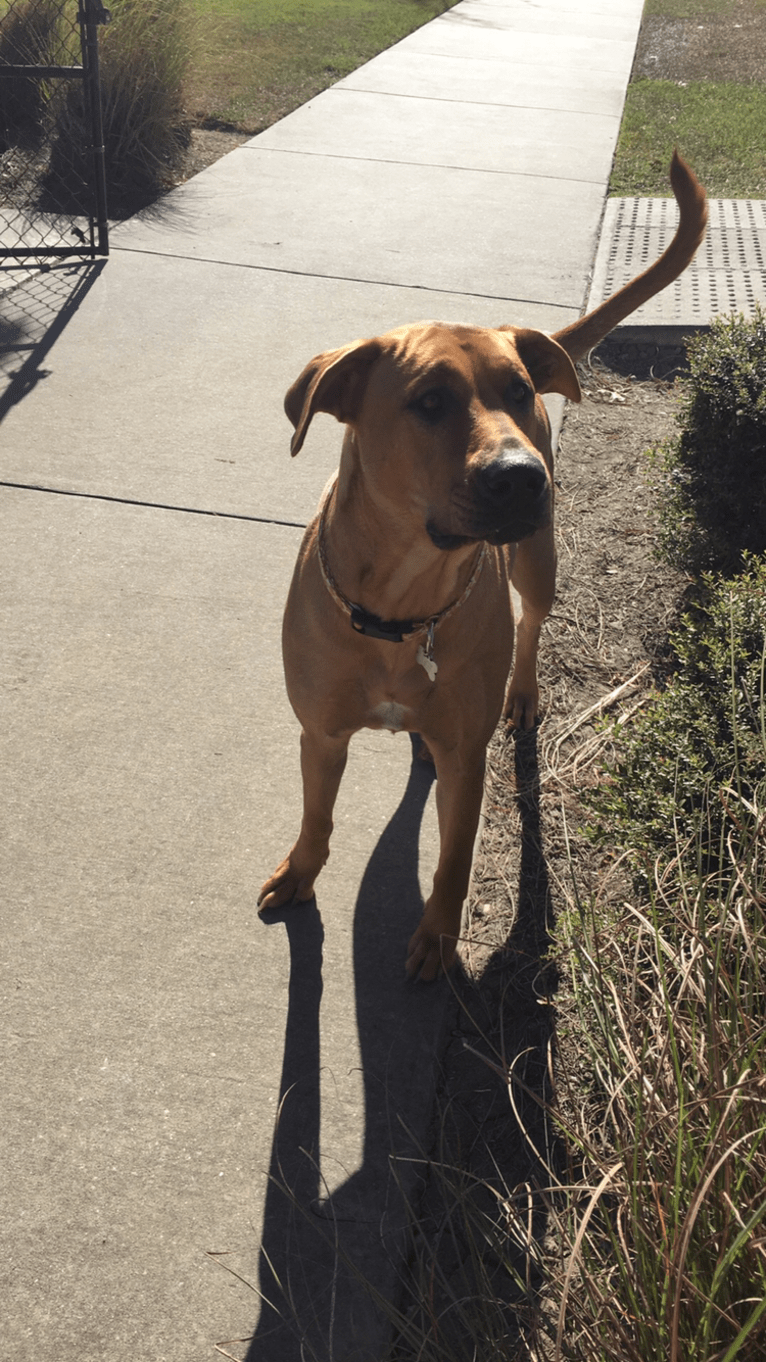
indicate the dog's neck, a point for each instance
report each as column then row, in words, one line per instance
column 392, row 568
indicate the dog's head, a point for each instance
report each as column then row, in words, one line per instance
column 447, row 424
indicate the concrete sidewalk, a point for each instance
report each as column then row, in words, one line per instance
column 150, row 757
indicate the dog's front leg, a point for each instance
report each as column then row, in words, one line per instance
column 533, row 573
column 323, row 761
column 459, row 790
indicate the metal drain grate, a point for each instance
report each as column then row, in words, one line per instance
column 728, row 274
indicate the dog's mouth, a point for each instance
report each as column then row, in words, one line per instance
column 443, row 540
column 511, row 533
column 490, row 529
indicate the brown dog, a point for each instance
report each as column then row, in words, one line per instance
column 399, row 614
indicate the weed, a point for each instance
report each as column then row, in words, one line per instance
column 690, row 9
column 719, row 126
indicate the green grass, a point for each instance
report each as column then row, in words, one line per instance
column 259, row 59
column 692, row 9
column 718, row 125
column 719, row 128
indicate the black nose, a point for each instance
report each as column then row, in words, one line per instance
column 511, row 496
column 514, row 478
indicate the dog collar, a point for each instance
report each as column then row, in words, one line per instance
column 391, row 631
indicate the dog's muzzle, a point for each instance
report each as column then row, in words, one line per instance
column 512, row 497
column 508, row 499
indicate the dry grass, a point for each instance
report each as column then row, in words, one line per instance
column 664, row 1239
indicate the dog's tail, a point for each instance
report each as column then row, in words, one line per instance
column 580, row 337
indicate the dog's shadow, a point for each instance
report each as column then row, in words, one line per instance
column 496, row 1142
column 316, row 1249
column 318, row 1252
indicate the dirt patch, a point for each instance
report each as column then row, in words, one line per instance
column 604, row 641
column 706, row 48
column 207, row 145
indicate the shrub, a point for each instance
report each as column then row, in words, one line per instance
column 28, row 37
column 144, row 58
column 711, row 478
column 703, row 735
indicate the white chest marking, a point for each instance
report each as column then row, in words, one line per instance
column 390, row 715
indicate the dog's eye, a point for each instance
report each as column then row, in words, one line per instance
column 431, row 405
column 518, row 393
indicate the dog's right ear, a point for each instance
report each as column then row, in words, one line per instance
column 333, row 382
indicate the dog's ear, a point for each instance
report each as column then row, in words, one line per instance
column 333, row 382
column 546, row 362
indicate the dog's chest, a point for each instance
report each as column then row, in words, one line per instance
column 388, row 714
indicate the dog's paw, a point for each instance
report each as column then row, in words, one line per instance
column 429, row 954
column 286, row 885
column 521, row 707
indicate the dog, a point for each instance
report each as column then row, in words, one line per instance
column 399, row 614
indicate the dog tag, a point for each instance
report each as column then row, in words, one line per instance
column 426, row 662
column 425, row 656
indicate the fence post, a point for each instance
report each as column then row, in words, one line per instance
column 91, row 15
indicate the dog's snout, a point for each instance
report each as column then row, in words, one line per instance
column 511, row 496
column 515, row 474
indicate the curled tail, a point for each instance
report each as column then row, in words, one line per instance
column 581, row 336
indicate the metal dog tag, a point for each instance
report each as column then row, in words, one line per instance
column 425, row 656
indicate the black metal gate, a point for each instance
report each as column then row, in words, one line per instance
column 50, row 205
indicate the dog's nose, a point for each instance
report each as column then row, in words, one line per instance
column 515, row 476
column 512, row 496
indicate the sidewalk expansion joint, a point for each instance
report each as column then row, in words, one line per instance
column 571, row 308
column 153, row 505
column 447, row 99
column 420, row 165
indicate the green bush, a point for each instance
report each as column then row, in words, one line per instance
column 29, row 36
column 711, row 478
column 145, row 54
column 701, row 737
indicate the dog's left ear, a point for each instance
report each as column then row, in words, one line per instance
column 546, row 362
column 333, row 382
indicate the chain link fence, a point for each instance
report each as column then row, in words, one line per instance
column 52, row 200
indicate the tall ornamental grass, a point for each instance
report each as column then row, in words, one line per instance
column 145, row 54
column 664, row 1232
